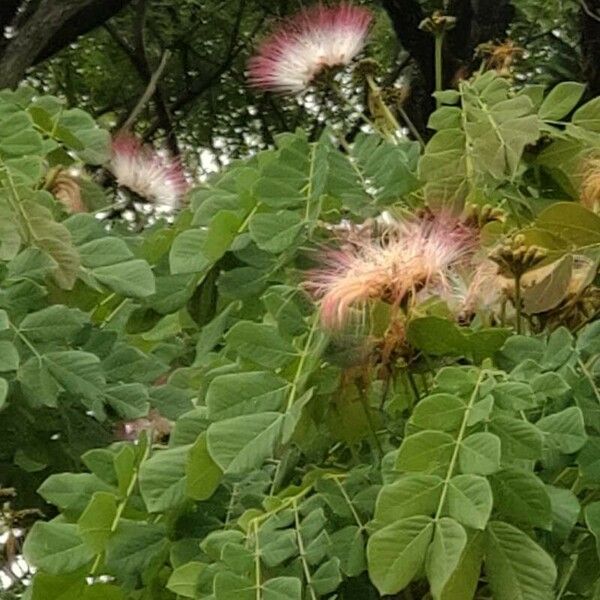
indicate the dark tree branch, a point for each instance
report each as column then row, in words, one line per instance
column 139, row 59
column 33, row 37
column 233, row 51
column 48, row 28
column 590, row 44
column 84, row 21
column 477, row 21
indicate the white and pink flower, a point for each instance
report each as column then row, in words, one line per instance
column 154, row 176
column 304, row 45
column 416, row 257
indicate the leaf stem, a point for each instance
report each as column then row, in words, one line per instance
column 461, row 434
column 303, row 356
column 518, row 302
column 122, row 505
column 302, row 552
column 349, row 502
column 364, row 401
column 257, row 562
column 439, row 45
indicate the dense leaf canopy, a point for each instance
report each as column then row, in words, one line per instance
column 359, row 358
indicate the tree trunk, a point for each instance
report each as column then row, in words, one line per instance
column 53, row 25
column 477, row 21
column 590, row 44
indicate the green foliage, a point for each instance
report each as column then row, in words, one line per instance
column 466, row 466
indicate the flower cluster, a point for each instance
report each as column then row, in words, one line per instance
column 140, row 168
column 304, row 45
column 409, row 260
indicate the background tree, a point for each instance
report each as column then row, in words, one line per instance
column 103, row 56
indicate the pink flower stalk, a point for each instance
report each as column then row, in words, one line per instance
column 315, row 39
column 140, row 168
column 411, row 257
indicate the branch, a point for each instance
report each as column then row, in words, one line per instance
column 149, row 91
column 81, row 23
column 34, row 35
column 588, row 12
column 590, row 44
column 233, row 52
column 139, row 59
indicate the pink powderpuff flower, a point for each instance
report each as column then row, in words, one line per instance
column 417, row 256
column 315, row 39
column 139, row 167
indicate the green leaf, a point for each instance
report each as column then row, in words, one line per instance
column 133, row 278
column 348, row 545
column 229, row 586
column 77, row 372
column 561, row 100
column 513, row 395
column 327, row 577
column 245, row 393
column 463, row 582
column 186, row 252
column 282, row 588
column 443, row 557
column 129, row 400
column 275, row 232
column 184, row 579
column 9, row 357
column 56, row 548
column 134, row 547
column 212, row 333
column 96, row 522
column 241, row 444
column 3, row 391
column 55, row 323
column 203, row 476
column 522, row 498
column 414, row 494
column 103, row 252
column 436, row 336
column 4, row 322
column 516, row 566
column 162, row 479
column 71, row 492
column 260, row 343
column 426, row 451
column 589, row 460
column 519, row 438
column 565, row 431
column 592, row 519
column 571, row 221
column 588, row 115
column 470, row 500
column 443, row 412
column 480, row 454
column 565, row 511
column 37, row 383
column 396, row 553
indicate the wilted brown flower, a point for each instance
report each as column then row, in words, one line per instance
column 589, row 191
column 65, row 188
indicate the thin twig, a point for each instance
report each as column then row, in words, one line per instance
column 588, row 11
column 149, row 91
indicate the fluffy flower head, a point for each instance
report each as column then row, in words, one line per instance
column 304, row 45
column 140, row 168
column 410, row 257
